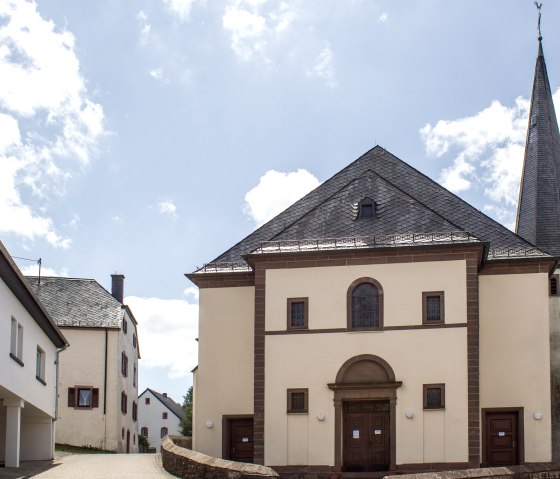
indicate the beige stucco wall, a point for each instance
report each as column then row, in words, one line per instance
column 515, row 353
column 224, row 379
column 313, row 360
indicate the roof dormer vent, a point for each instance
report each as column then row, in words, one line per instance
column 367, row 208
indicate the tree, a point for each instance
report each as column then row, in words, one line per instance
column 186, row 422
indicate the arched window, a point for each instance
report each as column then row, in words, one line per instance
column 365, row 305
column 163, row 431
column 144, row 431
column 367, row 208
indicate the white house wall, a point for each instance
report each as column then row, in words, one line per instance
column 151, row 416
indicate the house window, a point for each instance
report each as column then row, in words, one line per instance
column 365, row 305
column 164, row 415
column 297, row 313
column 16, row 342
column 124, row 325
column 40, row 366
column 367, row 208
column 297, row 401
column 433, row 308
column 434, row 396
column 83, row 397
column 147, row 401
column 164, row 432
column 124, row 364
column 144, row 431
column 134, row 341
column 134, row 411
column 134, row 439
column 124, row 402
column 134, row 376
column 554, row 286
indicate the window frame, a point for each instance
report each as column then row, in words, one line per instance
column 142, row 430
column 556, row 279
column 162, row 435
column 147, row 401
column 289, row 404
column 125, row 326
column 134, row 411
column 290, row 302
column 432, row 294
column 40, row 364
column 124, row 364
column 124, row 403
column 164, row 415
column 441, row 387
column 16, row 341
column 349, row 309
column 94, row 395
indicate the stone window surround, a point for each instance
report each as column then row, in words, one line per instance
column 425, row 296
column 441, row 387
column 305, row 302
column 290, row 409
column 351, row 289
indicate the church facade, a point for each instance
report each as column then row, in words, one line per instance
column 381, row 323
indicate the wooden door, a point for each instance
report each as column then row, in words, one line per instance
column 241, row 440
column 366, row 437
column 502, row 438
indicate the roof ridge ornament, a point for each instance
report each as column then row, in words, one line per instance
column 539, row 6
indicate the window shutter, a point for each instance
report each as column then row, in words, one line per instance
column 95, row 397
column 71, row 397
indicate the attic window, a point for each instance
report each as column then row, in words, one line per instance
column 367, row 208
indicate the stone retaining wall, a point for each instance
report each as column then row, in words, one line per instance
column 186, row 463
column 528, row 471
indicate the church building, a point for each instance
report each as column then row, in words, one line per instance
column 381, row 323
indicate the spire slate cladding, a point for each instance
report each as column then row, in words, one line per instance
column 538, row 211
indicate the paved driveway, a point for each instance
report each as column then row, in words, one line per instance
column 99, row 466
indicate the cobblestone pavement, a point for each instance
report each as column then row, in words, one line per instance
column 95, row 466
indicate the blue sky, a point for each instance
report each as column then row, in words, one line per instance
column 147, row 137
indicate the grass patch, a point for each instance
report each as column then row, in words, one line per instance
column 80, row 450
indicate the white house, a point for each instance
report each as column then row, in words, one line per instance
column 98, row 380
column 29, row 345
column 158, row 416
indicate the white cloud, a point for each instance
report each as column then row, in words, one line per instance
column 254, row 24
column 181, row 8
column 118, row 220
column 275, row 192
column 486, row 150
column 145, row 26
column 167, row 332
column 324, row 68
column 50, row 127
column 384, row 18
column 157, row 74
column 33, row 270
column 167, row 207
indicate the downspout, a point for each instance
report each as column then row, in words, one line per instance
column 105, row 387
column 58, row 351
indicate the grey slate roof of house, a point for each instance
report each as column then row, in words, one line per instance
column 78, row 302
column 408, row 202
column 174, row 407
column 538, row 214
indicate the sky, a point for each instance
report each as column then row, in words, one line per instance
column 146, row 137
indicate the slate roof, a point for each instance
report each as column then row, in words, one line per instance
column 174, row 407
column 408, row 202
column 78, row 302
column 538, row 214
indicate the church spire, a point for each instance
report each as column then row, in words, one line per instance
column 538, row 211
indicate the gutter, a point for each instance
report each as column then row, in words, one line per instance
column 58, row 351
column 105, row 386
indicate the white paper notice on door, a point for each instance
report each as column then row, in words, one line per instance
column 501, row 434
column 356, row 434
column 377, row 431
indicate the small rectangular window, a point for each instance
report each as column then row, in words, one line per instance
column 124, row 402
column 298, row 313
column 164, row 415
column 434, row 396
column 433, row 307
column 124, row 364
column 16, row 342
column 297, row 401
column 146, row 400
column 553, row 286
column 40, row 365
column 13, row 342
column 84, row 398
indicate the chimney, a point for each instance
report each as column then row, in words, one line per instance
column 164, row 395
column 117, row 287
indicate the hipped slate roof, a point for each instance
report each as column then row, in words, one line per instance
column 174, row 407
column 538, row 214
column 78, row 302
column 407, row 200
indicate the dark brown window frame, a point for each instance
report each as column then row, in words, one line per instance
column 147, row 401
column 305, row 392
column 556, row 278
column 430, row 294
column 94, row 403
column 305, row 302
column 144, row 430
column 161, row 432
column 349, row 293
column 441, row 387
column 164, row 415
column 124, row 364
column 124, row 402
column 134, row 411
column 125, row 326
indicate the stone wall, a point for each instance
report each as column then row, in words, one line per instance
column 528, row 471
column 186, row 463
